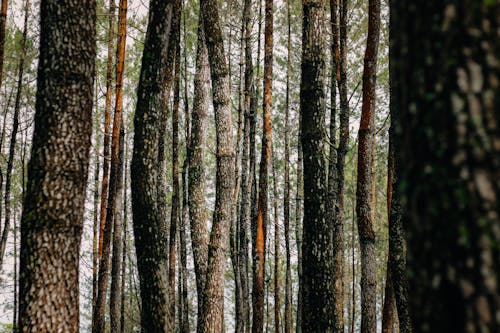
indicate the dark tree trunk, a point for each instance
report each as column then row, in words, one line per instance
column 124, row 237
column 149, row 223
column 364, row 205
column 446, row 133
column 299, row 197
column 52, row 220
column 213, row 298
column 196, row 153
column 316, row 283
column 277, row 302
column 13, row 136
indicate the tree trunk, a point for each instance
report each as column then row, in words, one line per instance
column 277, row 306
column 196, row 153
column 299, row 197
column 261, row 219
column 364, row 206
column 107, row 127
column 124, row 237
column 317, row 285
column 149, row 224
column 13, row 136
column 213, row 298
column 286, row 197
column 389, row 313
column 52, row 221
column 3, row 21
column 114, row 201
column 446, row 102
column 175, row 211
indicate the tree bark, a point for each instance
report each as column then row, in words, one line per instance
column 196, row 153
column 52, row 220
column 149, row 223
column 213, row 298
column 277, row 302
column 13, row 136
column 364, row 206
column 446, row 102
column 317, row 285
column 299, row 197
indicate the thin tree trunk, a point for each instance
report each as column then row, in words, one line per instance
column 149, row 219
column 124, row 237
column 363, row 191
column 52, row 220
column 213, row 298
column 299, row 198
column 13, row 136
column 107, row 128
column 286, row 197
column 3, row 21
column 389, row 312
column 277, row 305
column 261, row 221
column 174, row 216
column 95, row 229
column 317, row 285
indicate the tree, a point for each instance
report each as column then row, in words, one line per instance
column 148, row 214
column 316, row 283
column 265, row 161
column 3, row 21
column 445, row 106
column 52, row 219
column 196, row 153
column 213, row 297
column 364, row 206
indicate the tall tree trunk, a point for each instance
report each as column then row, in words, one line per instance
column 397, row 238
column 446, row 102
column 389, row 312
column 13, row 136
column 3, row 21
column 174, row 213
column 317, row 285
column 213, row 298
column 124, row 237
column 364, row 206
column 52, row 221
column 149, row 220
column 286, row 196
column 114, row 200
column 196, row 153
column 336, row 220
column 107, row 128
column 261, row 218
column 299, row 198
column 277, row 304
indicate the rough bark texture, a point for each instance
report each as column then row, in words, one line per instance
column 446, row 102
column 52, row 220
column 364, row 205
column 13, row 136
column 316, row 283
column 149, row 224
column 196, row 153
column 213, row 298
column 299, row 196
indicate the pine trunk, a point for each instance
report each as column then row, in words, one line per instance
column 149, row 220
column 445, row 106
column 213, row 298
column 52, row 221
